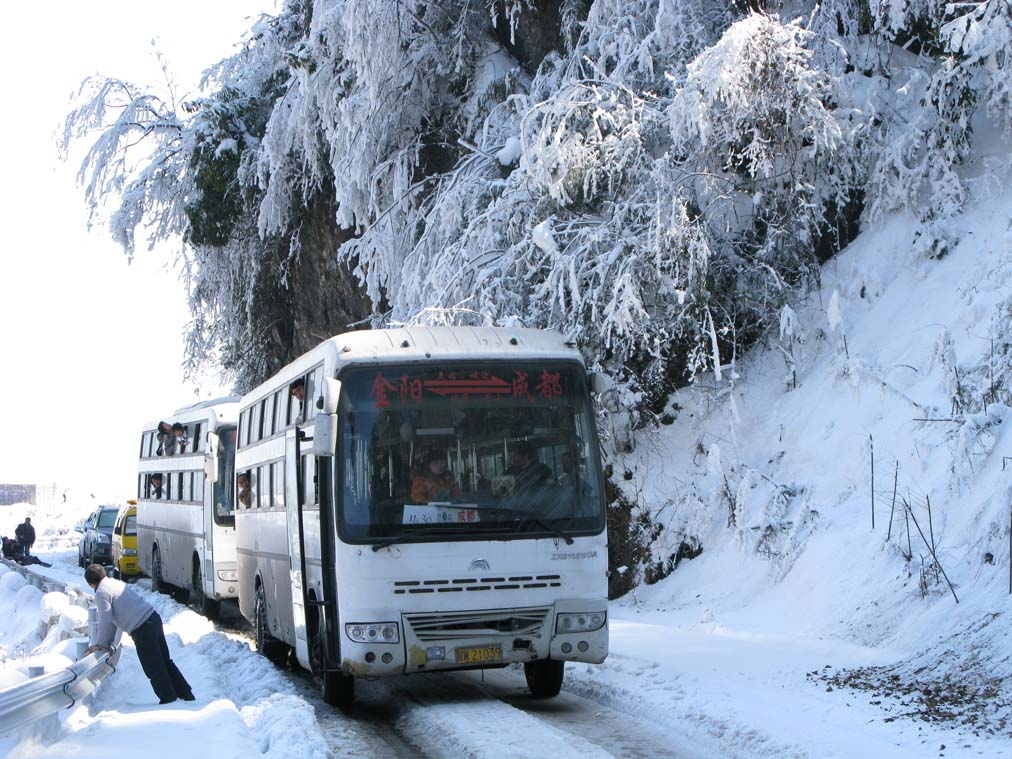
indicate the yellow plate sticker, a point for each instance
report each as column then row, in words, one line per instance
column 478, row 654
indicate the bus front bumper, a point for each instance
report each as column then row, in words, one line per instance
column 488, row 638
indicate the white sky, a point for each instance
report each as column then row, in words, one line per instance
column 90, row 346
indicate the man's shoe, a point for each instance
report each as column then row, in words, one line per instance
column 188, row 697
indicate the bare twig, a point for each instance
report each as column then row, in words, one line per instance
column 892, row 507
column 871, row 445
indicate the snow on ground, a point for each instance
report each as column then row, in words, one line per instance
column 244, row 705
column 800, row 631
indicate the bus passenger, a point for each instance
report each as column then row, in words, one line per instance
column 435, row 483
column 528, row 471
column 298, row 392
column 155, row 486
column 242, row 481
column 181, row 440
column 165, row 437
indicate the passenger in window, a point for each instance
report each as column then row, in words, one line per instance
column 181, row 440
column 165, row 439
column 434, row 483
column 155, row 486
column 242, row 482
column 298, row 392
column 528, row 472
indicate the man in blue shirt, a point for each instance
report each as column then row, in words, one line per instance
column 119, row 606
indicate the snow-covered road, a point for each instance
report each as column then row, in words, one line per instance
column 674, row 686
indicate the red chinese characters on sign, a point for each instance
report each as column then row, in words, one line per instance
column 550, row 385
column 410, row 390
column 381, row 389
column 467, row 515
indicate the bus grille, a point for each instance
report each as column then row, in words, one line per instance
column 467, row 624
column 474, row 584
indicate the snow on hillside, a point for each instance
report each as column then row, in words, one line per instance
column 908, row 361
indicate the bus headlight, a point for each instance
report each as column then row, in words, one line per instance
column 228, row 575
column 580, row 622
column 129, row 551
column 376, row 632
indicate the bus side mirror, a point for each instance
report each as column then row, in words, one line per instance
column 324, row 434
column 604, row 386
column 331, row 391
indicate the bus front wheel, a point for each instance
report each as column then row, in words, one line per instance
column 337, row 688
column 544, row 677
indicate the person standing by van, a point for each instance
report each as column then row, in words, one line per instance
column 119, row 606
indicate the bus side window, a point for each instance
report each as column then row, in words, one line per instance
column 271, row 503
column 279, row 411
column 279, row 486
column 313, row 384
column 198, row 487
column 254, row 423
column 267, row 414
column 310, row 487
column 240, row 440
column 196, row 437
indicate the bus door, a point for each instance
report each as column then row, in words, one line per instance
column 293, row 508
column 208, row 497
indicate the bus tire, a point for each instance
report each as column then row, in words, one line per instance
column 544, row 677
column 336, row 688
column 209, row 607
column 267, row 644
column 157, row 584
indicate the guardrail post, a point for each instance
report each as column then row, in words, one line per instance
column 80, row 647
column 36, row 671
column 93, row 623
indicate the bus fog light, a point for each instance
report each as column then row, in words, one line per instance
column 376, row 632
column 228, row 575
column 574, row 623
column 370, row 657
column 567, row 647
column 582, row 645
column 387, row 658
column 435, row 652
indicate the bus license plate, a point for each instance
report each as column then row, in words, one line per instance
column 478, row 654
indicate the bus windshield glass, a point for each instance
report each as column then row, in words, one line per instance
column 467, row 453
column 224, row 502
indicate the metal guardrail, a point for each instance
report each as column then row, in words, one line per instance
column 45, row 694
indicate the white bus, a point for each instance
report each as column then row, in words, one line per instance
column 436, row 503
column 185, row 514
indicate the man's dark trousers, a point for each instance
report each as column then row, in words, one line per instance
column 153, row 651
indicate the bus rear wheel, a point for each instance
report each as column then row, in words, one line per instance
column 544, row 677
column 267, row 644
column 209, row 607
column 157, row 583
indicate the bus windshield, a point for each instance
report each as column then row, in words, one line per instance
column 224, row 502
column 500, row 451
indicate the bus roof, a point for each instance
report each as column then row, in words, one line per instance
column 209, row 403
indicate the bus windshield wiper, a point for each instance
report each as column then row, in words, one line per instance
column 547, row 527
column 422, row 529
